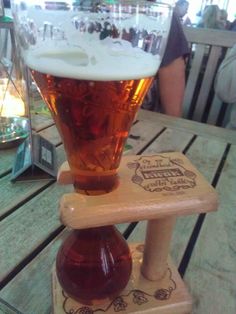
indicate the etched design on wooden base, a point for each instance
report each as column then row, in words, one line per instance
column 122, row 302
column 164, row 296
column 160, row 173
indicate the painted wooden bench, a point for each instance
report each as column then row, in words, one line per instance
column 207, row 49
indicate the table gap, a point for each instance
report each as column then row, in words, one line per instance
column 189, row 144
column 151, row 141
column 14, row 208
column 7, row 172
column 42, row 128
column 128, row 231
column 30, row 257
column 201, row 217
column 9, row 307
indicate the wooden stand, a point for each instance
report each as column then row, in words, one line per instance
column 154, row 188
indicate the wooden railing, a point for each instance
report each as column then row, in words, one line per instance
column 208, row 48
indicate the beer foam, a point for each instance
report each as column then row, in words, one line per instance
column 82, row 55
column 94, row 63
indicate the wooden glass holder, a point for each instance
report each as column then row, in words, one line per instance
column 155, row 188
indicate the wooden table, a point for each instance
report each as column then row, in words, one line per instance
column 203, row 247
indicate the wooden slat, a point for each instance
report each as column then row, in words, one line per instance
column 7, row 157
column 215, row 41
column 13, row 194
column 215, row 107
column 40, row 122
column 211, row 274
column 210, row 36
column 214, row 110
column 52, row 135
column 169, row 141
column 144, row 131
column 227, row 115
column 207, row 165
column 30, row 290
column 7, row 308
column 209, row 74
column 28, row 227
column 192, row 78
column 193, row 127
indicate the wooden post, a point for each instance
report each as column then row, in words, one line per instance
column 156, row 249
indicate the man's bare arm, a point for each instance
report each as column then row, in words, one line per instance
column 171, row 87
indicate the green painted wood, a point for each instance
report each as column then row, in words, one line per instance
column 40, row 122
column 211, row 274
column 193, row 127
column 52, row 135
column 169, row 141
column 13, row 194
column 144, row 131
column 26, row 228
column 7, row 308
column 7, row 157
column 205, row 156
column 30, row 290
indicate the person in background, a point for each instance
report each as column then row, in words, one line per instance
column 167, row 92
column 181, row 9
column 225, row 82
column 211, row 17
column 225, row 24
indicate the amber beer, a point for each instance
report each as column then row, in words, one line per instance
column 94, row 118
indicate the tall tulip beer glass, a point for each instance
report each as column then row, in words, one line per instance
column 93, row 67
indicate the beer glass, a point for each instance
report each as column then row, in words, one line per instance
column 93, row 65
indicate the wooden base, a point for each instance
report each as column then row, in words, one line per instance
column 166, row 296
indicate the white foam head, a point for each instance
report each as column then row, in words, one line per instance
column 83, row 55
